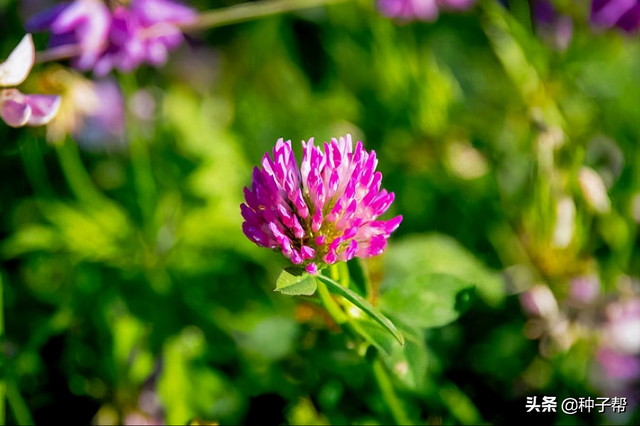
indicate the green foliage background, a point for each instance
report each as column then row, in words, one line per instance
column 126, row 277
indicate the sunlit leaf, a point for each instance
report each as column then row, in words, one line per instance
column 296, row 282
column 436, row 253
column 427, row 300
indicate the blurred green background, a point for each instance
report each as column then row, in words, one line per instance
column 132, row 296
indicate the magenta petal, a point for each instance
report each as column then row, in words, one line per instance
column 393, row 224
column 155, row 11
column 307, row 252
column 43, row 108
column 15, row 114
column 13, row 108
column 326, row 210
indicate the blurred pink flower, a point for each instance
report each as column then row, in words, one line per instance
column 104, row 125
column 584, row 290
column 17, row 109
column 323, row 212
column 619, row 352
column 552, row 26
column 617, row 365
column 83, row 24
column 624, row 14
column 142, row 31
column 422, row 10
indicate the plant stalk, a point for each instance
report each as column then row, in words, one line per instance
column 389, row 394
column 330, row 304
column 76, row 174
column 249, row 11
column 3, row 379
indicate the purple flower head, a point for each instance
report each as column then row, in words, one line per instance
column 624, row 14
column 422, row 10
column 143, row 32
column 17, row 109
column 84, row 24
column 140, row 31
column 322, row 212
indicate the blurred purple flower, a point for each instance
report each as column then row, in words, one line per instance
column 624, row 14
column 555, row 28
column 619, row 352
column 584, row 290
column 422, row 10
column 619, row 366
column 17, row 109
column 92, row 112
column 323, row 212
column 143, row 32
column 83, row 24
column 125, row 37
column 104, row 125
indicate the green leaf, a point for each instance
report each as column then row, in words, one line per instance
column 296, row 282
column 375, row 334
column 409, row 363
column 427, row 300
column 365, row 306
column 436, row 253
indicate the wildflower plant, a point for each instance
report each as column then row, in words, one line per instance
column 319, row 214
column 155, row 205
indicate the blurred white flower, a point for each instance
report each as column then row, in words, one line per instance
column 539, row 301
column 465, row 161
column 565, row 222
column 594, row 190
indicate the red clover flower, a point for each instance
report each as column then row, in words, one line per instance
column 322, row 212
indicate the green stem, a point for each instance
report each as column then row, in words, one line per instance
column 343, row 274
column 3, row 383
column 76, row 174
column 143, row 176
column 18, row 405
column 250, row 11
column 500, row 27
column 334, row 272
column 35, row 169
column 389, row 394
column 340, row 273
column 380, row 372
column 330, row 304
column 3, row 389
